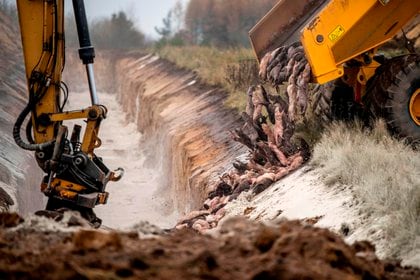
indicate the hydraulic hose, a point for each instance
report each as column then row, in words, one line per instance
column 17, row 137
column 28, row 131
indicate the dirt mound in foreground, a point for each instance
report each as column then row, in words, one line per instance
column 240, row 250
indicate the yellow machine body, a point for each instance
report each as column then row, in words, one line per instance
column 43, row 54
column 344, row 30
column 332, row 32
column 341, row 39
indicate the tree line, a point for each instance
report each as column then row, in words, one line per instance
column 220, row 23
column 217, row 23
column 115, row 32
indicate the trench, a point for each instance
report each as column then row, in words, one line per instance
column 182, row 128
column 168, row 131
column 185, row 126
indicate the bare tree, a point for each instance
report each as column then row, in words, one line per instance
column 172, row 31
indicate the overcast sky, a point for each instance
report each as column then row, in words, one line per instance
column 146, row 13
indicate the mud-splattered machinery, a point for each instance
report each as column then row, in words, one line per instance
column 75, row 177
column 341, row 39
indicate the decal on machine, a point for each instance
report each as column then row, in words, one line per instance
column 336, row 34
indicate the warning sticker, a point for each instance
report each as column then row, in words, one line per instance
column 336, row 34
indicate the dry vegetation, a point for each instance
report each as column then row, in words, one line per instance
column 232, row 69
column 383, row 173
column 214, row 36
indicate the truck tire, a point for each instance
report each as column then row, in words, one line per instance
column 394, row 87
column 321, row 104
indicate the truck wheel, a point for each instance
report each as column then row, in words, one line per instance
column 404, row 104
column 395, row 96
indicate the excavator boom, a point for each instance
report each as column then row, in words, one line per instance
column 42, row 30
column 75, row 177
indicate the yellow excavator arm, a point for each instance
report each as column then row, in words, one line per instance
column 76, row 177
column 43, row 49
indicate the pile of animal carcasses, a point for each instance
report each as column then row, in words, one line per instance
column 272, row 155
column 288, row 64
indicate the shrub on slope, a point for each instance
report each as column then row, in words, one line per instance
column 384, row 174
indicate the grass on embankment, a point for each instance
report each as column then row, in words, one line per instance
column 232, row 69
column 384, row 174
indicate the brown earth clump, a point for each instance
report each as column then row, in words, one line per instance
column 241, row 249
column 8, row 220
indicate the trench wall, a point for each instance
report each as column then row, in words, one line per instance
column 184, row 124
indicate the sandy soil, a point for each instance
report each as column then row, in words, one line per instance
column 302, row 195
